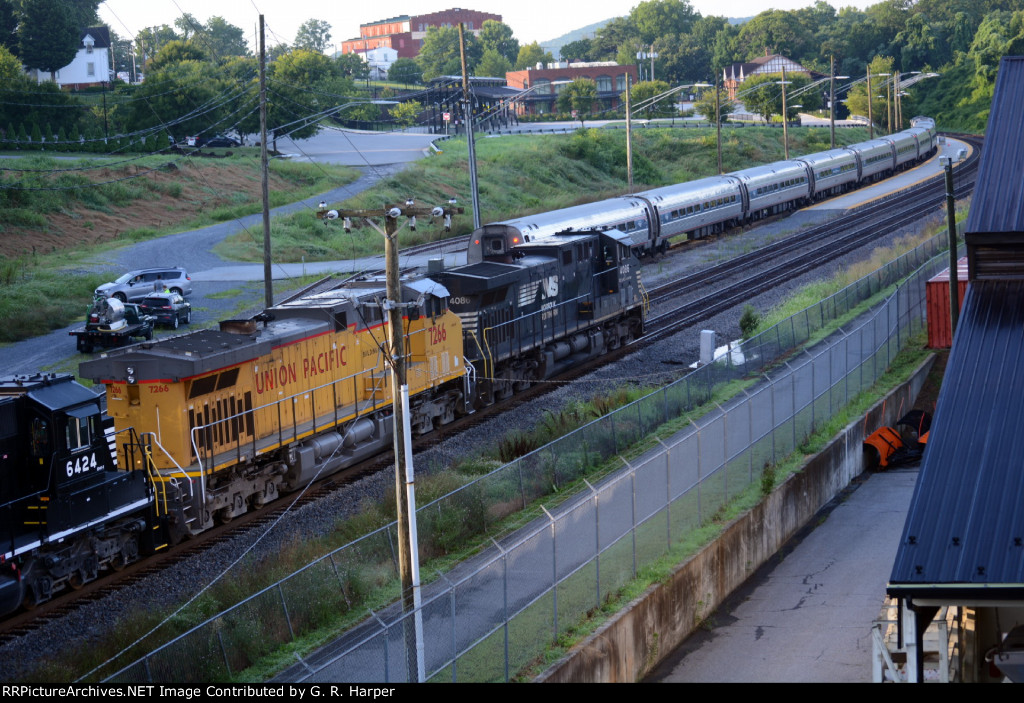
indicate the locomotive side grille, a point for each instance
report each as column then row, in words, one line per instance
column 469, row 320
column 221, row 428
column 528, row 293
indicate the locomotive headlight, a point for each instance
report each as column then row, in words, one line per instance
column 130, row 370
column 131, row 379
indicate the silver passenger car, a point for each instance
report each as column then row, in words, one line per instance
column 628, row 214
column 775, row 187
column 697, row 208
column 877, row 158
column 834, row 171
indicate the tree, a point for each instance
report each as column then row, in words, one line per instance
column 150, row 40
column 225, row 39
column 8, row 26
column 578, row 50
column 498, row 36
column 578, row 96
column 175, row 52
column 405, row 71
column 492, row 64
column 530, row 55
column 353, row 66
column 645, row 91
column 705, row 105
column 656, row 18
column 188, row 25
column 314, row 35
column 439, row 55
column 407, row 113
column 48, row 34
column 176, row 90
column 857, row 98
column 763, row 95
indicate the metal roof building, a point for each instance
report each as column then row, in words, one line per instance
column 963, row 542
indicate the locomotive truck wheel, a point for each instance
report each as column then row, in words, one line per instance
column 75, row 581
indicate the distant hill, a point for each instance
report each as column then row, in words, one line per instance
column 555, row 45
column 588, row 32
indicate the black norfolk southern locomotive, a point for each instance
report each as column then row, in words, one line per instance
column 541, row 307
column 215, row 423
column 66, row 510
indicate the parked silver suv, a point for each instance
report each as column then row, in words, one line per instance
column 136, row 285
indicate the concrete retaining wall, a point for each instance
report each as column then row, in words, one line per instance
column 629, row 645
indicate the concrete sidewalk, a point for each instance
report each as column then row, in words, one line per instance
column 806, row 615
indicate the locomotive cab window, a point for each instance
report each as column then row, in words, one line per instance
column 40, row 437
column 79, row 428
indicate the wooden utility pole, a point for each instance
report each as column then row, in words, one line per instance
column 871, row 123
column 468, row 114
column 718, row 126
column 832, row 100
column 954, row 286
column 785, row 117
column 405, row 491
column 629, row 138
column 268, row 281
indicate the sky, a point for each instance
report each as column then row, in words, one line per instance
column 530, row 20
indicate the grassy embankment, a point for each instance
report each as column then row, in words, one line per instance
column 55, row 215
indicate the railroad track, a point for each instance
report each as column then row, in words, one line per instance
column 792, row 257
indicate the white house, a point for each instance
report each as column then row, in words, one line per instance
column 91, row 65
column 380, row 59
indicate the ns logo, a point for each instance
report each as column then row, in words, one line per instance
column 549, row 287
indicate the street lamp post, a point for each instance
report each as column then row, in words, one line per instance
column 832, row 99
column 785, row 120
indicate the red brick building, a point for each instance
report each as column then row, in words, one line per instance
column 547, row 83
column 405, row 34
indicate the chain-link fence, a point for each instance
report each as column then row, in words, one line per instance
column 491, row 615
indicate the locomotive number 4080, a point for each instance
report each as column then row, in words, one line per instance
column 81, row 464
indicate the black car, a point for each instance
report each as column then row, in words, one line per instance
column 169, row 309
column 221, row 141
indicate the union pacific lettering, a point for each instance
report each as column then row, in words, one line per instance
column 270, row 379
column 312, row 366
column 324, row 362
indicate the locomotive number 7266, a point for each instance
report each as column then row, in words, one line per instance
column 438, row 334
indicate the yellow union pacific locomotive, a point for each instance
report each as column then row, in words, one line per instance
column 264, row 405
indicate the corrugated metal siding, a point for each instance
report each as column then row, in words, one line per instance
column 997, row 209
column 965, row 526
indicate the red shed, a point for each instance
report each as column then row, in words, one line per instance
column 937, row 292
